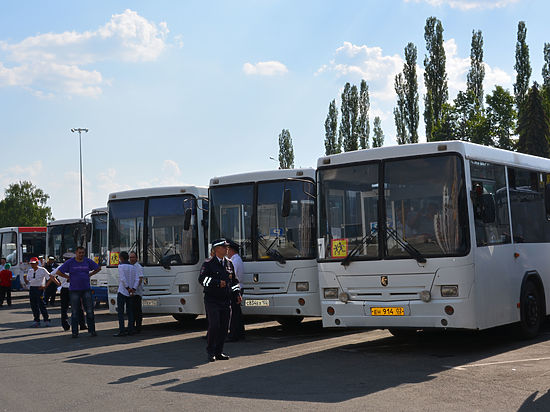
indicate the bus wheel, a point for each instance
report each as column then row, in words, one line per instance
column 402, row 332
column 185, row 319
column 531, row 311
column 289, row 322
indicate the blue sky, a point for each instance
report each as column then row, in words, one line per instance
column 176, row 92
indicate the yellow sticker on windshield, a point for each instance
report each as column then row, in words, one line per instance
column 96, row 259
column 339, row 248
column 113, row 258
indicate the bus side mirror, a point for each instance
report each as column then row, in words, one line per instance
column 187, row 219
column 286, row 203
column 488, row 208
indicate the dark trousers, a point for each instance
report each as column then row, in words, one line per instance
column 236, row 325
column 5, row 292
column 65, row 299
column 49, row 294
column 36, row 295
column 123, row 301
column 218, row 322
column 86, row 297
column 138, row 314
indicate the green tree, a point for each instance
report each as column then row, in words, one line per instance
column 501, row 117
column 332, row 143
column 533, row 126
column 445, row 128
column 364, row 106
column 410, row 83
column 464, row 111
column 286, row 151
column 378, row 137
column 399, row 111
column 24, row 205
column 474, row 82
column 546, row 67
column 522, row 67
column 345, row 119
column 435, row 75
column 353, row 101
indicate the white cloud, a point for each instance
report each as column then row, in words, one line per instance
column 270, row 68
column 466, row 5
column 54, row 63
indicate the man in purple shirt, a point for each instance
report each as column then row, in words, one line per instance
column 79, row 270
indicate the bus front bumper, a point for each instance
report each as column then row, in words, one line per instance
column 181, row 303
column 416, row 314
column 286, row 304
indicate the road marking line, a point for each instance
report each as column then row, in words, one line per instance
column 477, row 365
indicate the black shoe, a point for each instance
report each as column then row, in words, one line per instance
column 66, row 326
column 211, row 358
column 75, row 335
column 83, row 327
column 222, row 356
column 119, row 334
column 94, row 333
column 231, row 339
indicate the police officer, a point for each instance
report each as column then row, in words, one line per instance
column 220, row 286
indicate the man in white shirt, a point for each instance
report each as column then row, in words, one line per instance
column 136, row 300
column 127, row 286
column 35, row 279
column 236, row 324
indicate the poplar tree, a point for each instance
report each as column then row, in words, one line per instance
column 474, row 82
column 501, row 117
column 378, row 137
column 522, row 67
column 546, row 67
column 533, row 126
column 286, row 151
column 345, row 120
column 332, row 143
column 364, row 106
column 410, row 83
column 353, row 143
column 399, row 111
column 435, row 75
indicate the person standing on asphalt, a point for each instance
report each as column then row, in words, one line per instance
column 5, row 284
column 78, row 271
column 136, row 300
column 35, row 278
column 217, row 275
column 51, row 286
column 127, row 286
column 236, row 324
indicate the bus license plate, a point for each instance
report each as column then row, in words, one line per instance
column 149, row 302
column 389, row 311
column 256, row 302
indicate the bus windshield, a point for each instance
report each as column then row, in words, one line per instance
column 231, row 215
column 99, row 237
column 166, row 240
column 33, row 244
column 9, row 247
column 65, row 238
column 423, row 204
column 292, row 236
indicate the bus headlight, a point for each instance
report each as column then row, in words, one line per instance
column 449, row 291
column 302, row 286
column 330, row 293
column 344, row 297
column 183, row 288
column 425, row 296
column 113, row 290
column 93, row 282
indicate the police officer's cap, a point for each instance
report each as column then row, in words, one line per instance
column 220, row 242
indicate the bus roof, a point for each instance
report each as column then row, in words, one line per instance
column 468, row 150
column 160, row 191
column 67, row 221
column 267, row 175
column 23, row 229
column 99, row 210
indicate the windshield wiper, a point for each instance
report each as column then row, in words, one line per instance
column 411, row 250
column 367, row 240
column 274, row 254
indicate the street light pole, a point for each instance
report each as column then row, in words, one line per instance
column 79, row 130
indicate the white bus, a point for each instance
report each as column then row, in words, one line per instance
column 18, row 245
column 434, row 235
column 98, row 253
column 271, row 216
column 65, row 235
column 167, row 228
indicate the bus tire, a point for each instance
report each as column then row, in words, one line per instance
column 531, row 310
column 185, row 319
column 402, row 332
column 289, row 322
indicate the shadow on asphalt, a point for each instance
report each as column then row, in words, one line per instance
column 542, row 403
